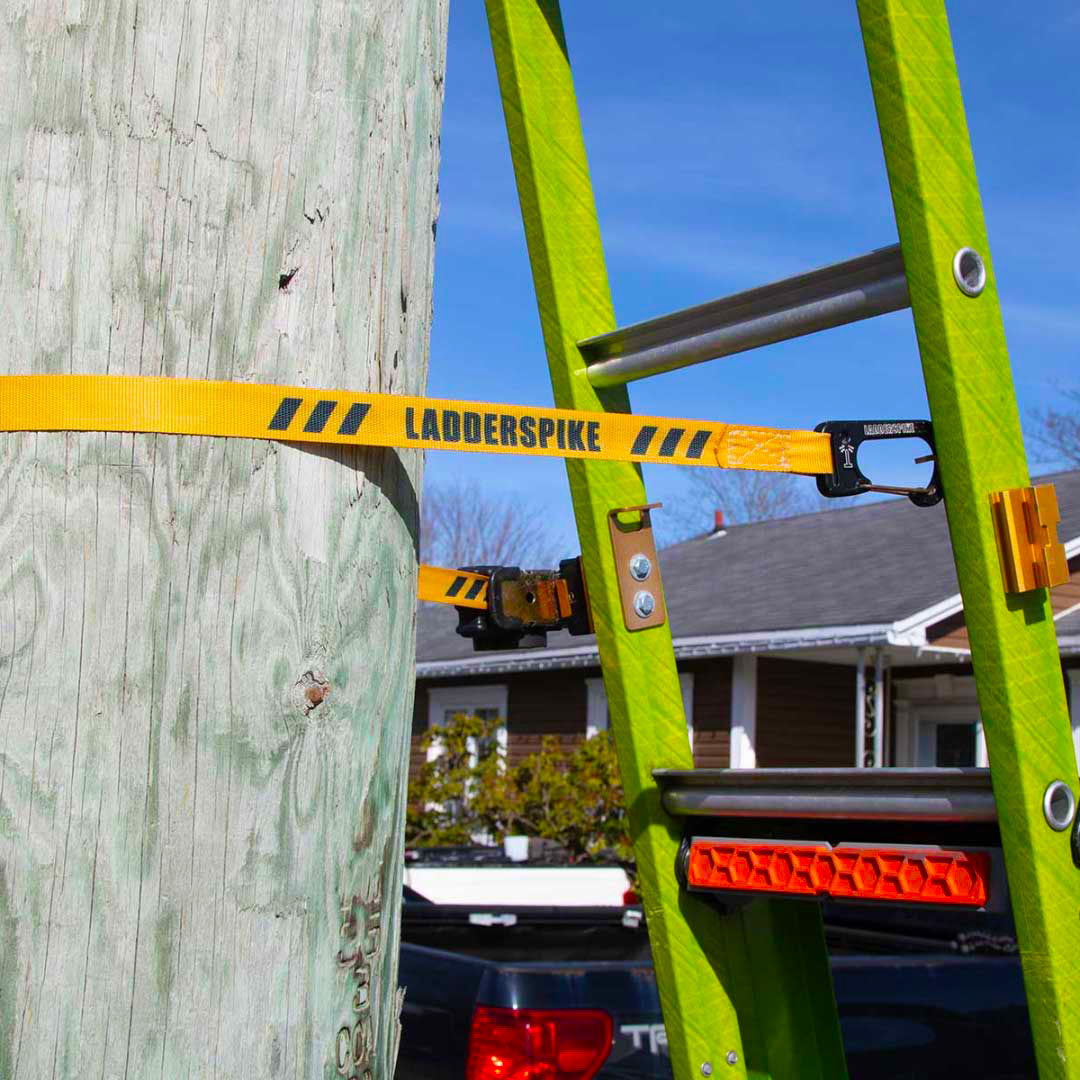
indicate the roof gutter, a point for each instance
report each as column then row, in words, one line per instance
column 502, row 663
column 582, row 656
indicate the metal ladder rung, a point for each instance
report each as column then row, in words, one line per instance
column 844, row 292
column 929, row 795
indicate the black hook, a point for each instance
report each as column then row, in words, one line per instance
column 848, row 479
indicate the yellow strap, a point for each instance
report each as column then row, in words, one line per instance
column 461, row 588
column 548, row 599
column 299, row 414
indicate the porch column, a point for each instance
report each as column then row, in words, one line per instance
column 860, row 709
column 982, row 758
column 879, row 708
column 744, row 712
column 1074, row 708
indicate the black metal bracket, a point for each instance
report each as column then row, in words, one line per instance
column 524, row 605
column 848, row 479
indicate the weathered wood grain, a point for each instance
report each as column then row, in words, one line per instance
column 206, row 646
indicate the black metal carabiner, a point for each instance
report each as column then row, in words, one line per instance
column 848, row 479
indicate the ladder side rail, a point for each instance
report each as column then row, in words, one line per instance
column 753, row 989
column 972, row 402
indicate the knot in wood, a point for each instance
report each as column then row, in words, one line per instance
column 314, row 689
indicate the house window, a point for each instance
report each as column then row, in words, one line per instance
column 596, row 711
column 487, row 702
column 938, row 722
column 954, row 744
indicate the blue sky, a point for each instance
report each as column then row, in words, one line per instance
column 730, row 145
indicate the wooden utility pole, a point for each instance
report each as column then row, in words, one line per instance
column 206, row 645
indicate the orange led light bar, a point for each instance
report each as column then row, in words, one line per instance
column 895, row 875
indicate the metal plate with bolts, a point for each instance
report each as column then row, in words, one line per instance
column 638, row 568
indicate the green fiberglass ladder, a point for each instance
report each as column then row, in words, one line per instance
column 748, row 992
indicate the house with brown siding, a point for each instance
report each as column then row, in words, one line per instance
column 791, row 637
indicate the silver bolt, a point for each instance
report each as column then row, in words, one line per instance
column 706, row 1068
column 644, row 603
column 1059, row 805
column 732, row 1058
column 969, row 270
column 640, row 567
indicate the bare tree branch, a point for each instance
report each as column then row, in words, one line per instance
column 746, row 497
column 1058, row 430
column 743, row 497
column 464, row 525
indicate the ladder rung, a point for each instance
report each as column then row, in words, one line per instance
column 845, row 292
column 913, row 795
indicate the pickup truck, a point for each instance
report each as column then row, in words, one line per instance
column 920, row 996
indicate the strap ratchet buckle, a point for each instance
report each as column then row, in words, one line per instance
column 848, row 479
column 524, row 605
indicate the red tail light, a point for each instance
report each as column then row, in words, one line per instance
column 537, row 1044
column 899, row 875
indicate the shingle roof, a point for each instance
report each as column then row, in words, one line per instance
column 870, row 564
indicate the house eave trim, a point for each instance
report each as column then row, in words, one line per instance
column 917, row 624
column 912, row 630
column 685, row 649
